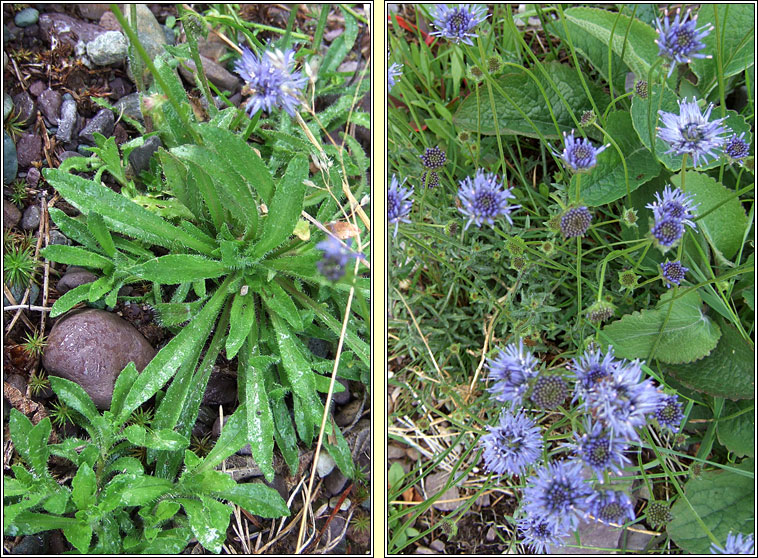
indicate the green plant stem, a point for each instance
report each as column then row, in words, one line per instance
column 578, row 187
column 578, row 280
column 141, row 50
column 612, row 256
column 190, row 31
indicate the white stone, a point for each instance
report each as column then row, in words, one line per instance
column 325, row 464
column 108, row 48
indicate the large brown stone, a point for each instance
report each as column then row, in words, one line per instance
column 91, row 347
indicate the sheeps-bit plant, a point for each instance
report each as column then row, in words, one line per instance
column 221, row 233
column 534, row 156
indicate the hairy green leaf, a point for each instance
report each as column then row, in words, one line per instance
column 258, row 499
column 738, row 433
column 83, row 487
column 31, row 441
column 178, row 268
column 97, row 227
column 70, row 299
column 75, row 255
column 280, row 302
column 208, row 520
column 241, row 321
column 260, row 422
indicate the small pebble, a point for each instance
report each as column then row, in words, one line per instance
column 31, row 218
column 67, row 120
column 57, row 237
column 140, row 156
column 26, row 108
column 10, row 159
column 130, row 106
column 437, row 545
column 50, row 105
column 108, row 48
column 101, row 123
column 7, row 105
column 28, row 150
column 119, row 87
column 325, row 464
column 37, row 87
column 26, row 17
column 11, row 215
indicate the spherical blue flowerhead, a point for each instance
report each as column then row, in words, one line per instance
column 674, row 203
column 590, row 368
column 679, row 40
column 673, row 272
column 579, row 154
column 483, row 198
column 430, row 179
column 538, row 534
column 433, row 158
column 691, row 132
column 736, row 148
column 336, row 256
column 513, row 444
column 398, row 203
column 610, row 506
column 558, row 494
column 456, row 24
column 511, row 371
column 667, row 231
column 735, row 544
column 669, row 412
column 393, row 72
column 599, row 449
column 575, row 222
column 270, row 80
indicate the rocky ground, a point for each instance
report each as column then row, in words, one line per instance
column 57, row 59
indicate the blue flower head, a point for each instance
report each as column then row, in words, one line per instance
column 393, row 72
column 679, row 40
column 511, row 371
column 590, row 368
column 673, row 272
column 690, row 131
column 336, row 256
column 456, row 24
column 610, row 506
column 558, row 494
column 599, row 449
column 538, row 534
column 579, row 154
column 398, row 203
column 674, row 203
column 736, row 148
column 433, row 158
column 271, row 80
column 575, row 222
column 483, row 198
column 669, row 412
column 735, row 544
column 513, row 444
column 667, row 231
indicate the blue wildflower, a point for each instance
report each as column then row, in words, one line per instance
column 511, row 370
column 736, row 148
column 667, row 231
column 398, row 204
column 393, row 72
column 575, row 222
column 433, row 158
column 673, row 272
column 669, row 412
column 336, row 256
column 610, row 506
column 674, row 203
column 735, row 544
column 558, row 494
column 679, row 40
column 590, row 368
column 599, row 449
column 456, row 24
column 271, row 80
column 430, row 179
column 483, row 198
column 691, row 132
column 537, row 533
column 579, row 154
column 513, row 444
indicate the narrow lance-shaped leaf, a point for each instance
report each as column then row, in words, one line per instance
column 241, row 321
column 75, row 255
column 260, row 422
column 298, row 368
column 178, row 268
column 100, row 231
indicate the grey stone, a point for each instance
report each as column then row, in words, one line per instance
column 348, row 413
column 17, row 291
column 140, row 156
column 423, row 550
column 279, row 485
column 7, row 105
column 28, row 150
column 325, row 464
column 108, row 48
column 92, row 347
column 66, row 154
column 93, row 11
column 10, row 159
column 101, row 123
column 335, row 532
column 31, row 218
column 594, row 537
column 32, row 177
column 26, row 108
column 215, row 73
column 67, row 29
column 74, row 277
column 149, row 32
column 130, row 105
column 37, row 87
column 342, row 397
column 50, row 105
column 335, row 482
column 26, row 17
column 635, row 541
column 437, row 545
column 434, row 483
column 118, row 88
column 170, row 35
column 57, row 237
column 221, row 389
column 395, row 452
column 67, row 120
column 11, row 215
column 32, row 544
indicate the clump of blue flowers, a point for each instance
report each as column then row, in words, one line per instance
column 483, row 198
column 511, row 371
column 579, row 154
column 673, row 272
column 735, row 544
column 736, row 148
column 271, row 80
column 671, row 211
column 393, row 73
column 513, row 444
column 456, row 24
column 336, row 257
column 398, row 203
column 680, row 40
column 691, row 132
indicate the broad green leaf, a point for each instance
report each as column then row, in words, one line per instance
column 161, row 439
column 303, row 422
column 724, row 227
column 233, row 437
column 241, row 320
column 75, row 255
column 178, row 268
column 108, row 536
column 162, row 511
column 126, row 465
column 83, row 487
column 607, row 181
column 12, row 511
column 208, row 520
column 97, row 227
column 736, row 34
column 28, row 523
column 31, row 441
column 201, row 182
column 121, row 214
column 737, row 433
column 123, row 384
column 172, row 541
column 58, row 500
column 172, row 356
column 688, row 334
column 297, row 367
column 144, row 489
column 526, row 110
column 209, row 482
column 284, row 210
column 302, row 265
column 174, row 132
column 14, row 487
column 79, row 535
column 281, row 303
column 70, row 299
column 171, row 314
column 258, row 499
column 723, row 500
column 284, row 434
column 177, row 184
column 260, row 422
column 341, row 454
column 73, row 229
column 726, row 372
column 100, row 287
column 340, row 47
